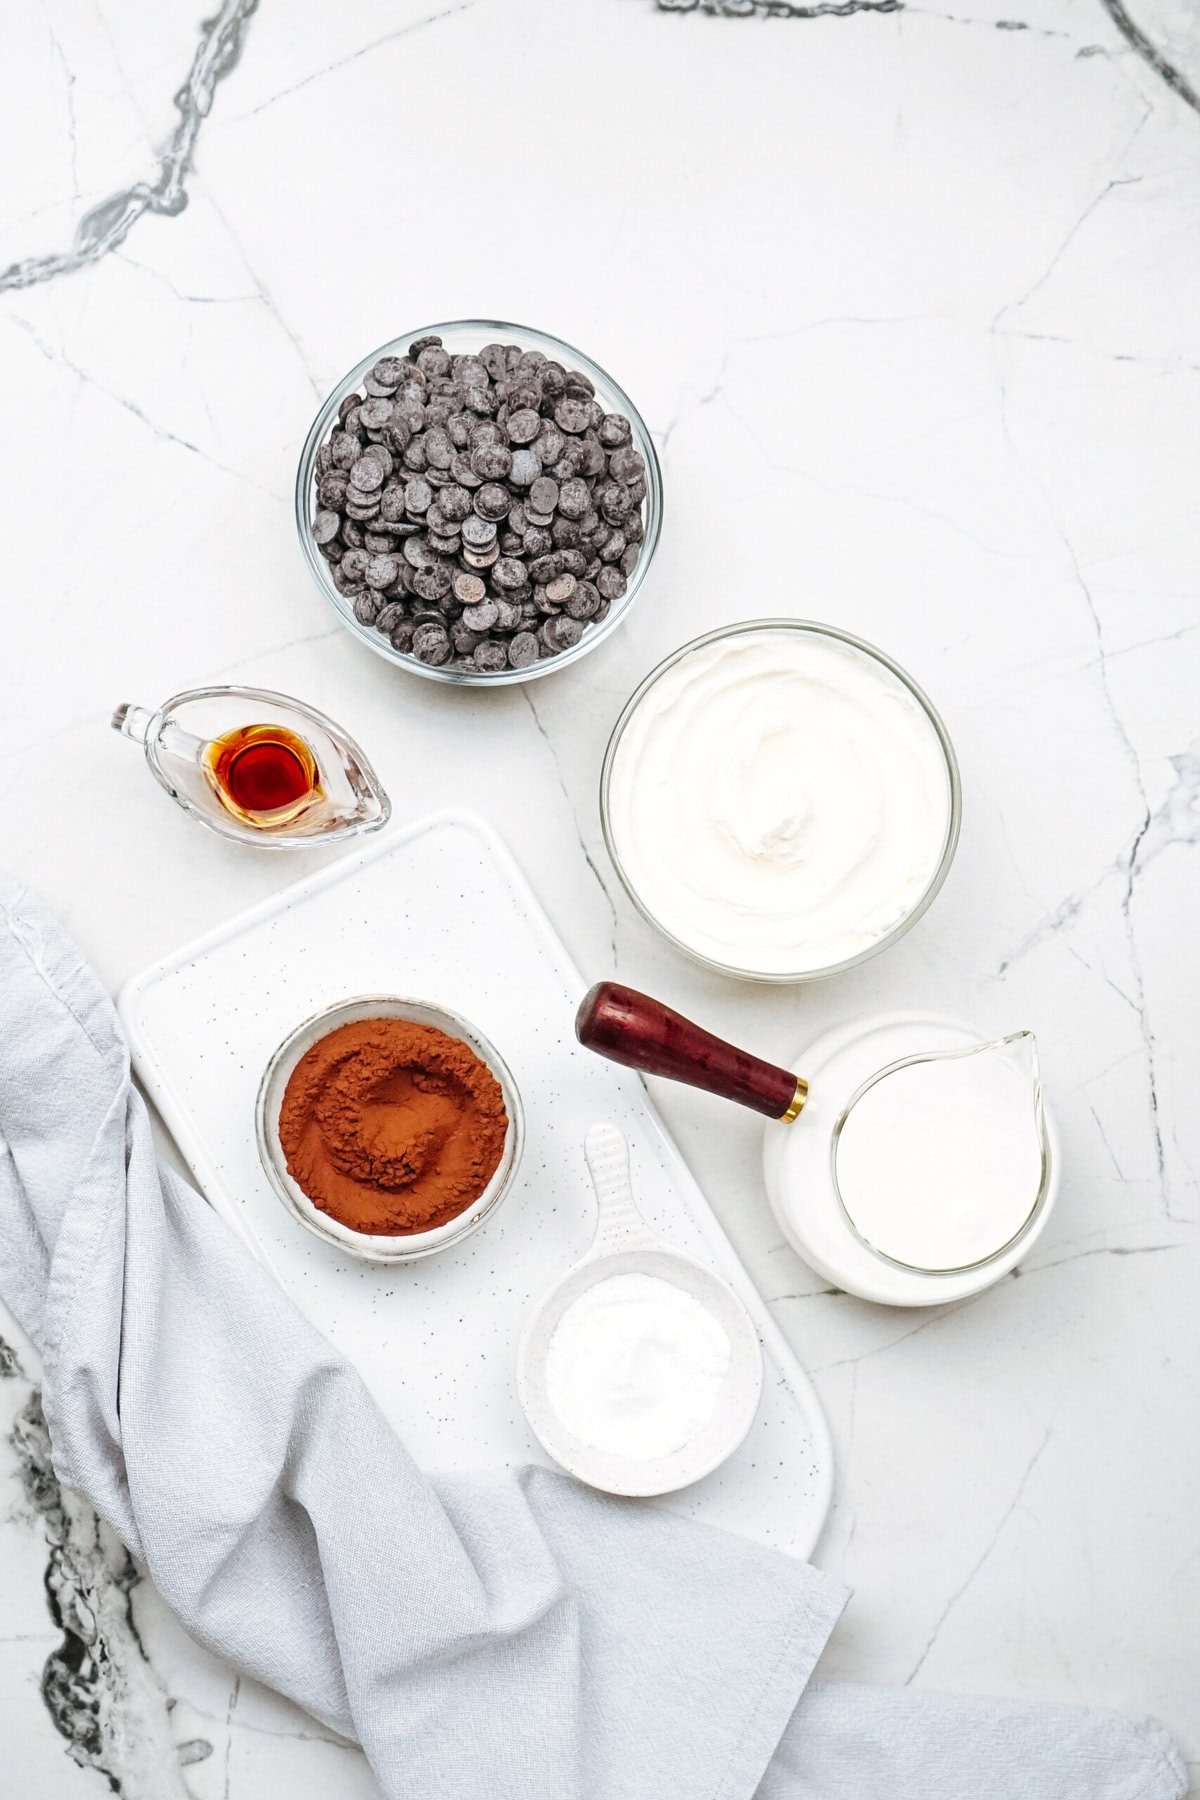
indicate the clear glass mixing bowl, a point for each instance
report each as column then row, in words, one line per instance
column 954, row 819
column 461, row 336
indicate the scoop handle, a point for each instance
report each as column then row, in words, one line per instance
column 632, row 1028
column 619, row 1224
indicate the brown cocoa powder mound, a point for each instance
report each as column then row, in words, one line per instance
column 392, row 1127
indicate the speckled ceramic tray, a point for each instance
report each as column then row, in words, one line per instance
column 437, row 1339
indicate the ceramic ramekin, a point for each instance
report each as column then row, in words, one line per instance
column 750, row 627
column 370, row 1245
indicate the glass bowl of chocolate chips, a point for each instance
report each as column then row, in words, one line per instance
column 479, row 502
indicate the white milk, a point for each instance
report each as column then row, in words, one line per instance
column 940, row 1163
column 636, row 1366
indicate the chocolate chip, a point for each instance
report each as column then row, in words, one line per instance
column 344, row 448
column 482, row 616
column 614, row 431
column 439, row 450
column 478, row 533
column 572, row 415
column 469, row 590
column 549, row 444
column 509, row 572
column 463, row 473
column 388, row 371
column 375, row 414
column 332, row 490
column 381, row 571
column 543, row 494
column 387, row 617
column 325, row 527
column 417, row 553
column 431, row 644
column 491, row 657
column 584, row 603
column 610, row 584
column 561, row 633
column 626, row 465
column 491, row 462
column 523, row 425
column 492, row 501
column 523, row 650
column 433, row 582
column 574, row 498
column 418, row 496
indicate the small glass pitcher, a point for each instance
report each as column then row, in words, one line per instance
column 1015, row 1056
column 258, row 766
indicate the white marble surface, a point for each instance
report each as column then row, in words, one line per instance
column 912, row 300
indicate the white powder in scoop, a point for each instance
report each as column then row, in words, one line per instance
column 635, row 1366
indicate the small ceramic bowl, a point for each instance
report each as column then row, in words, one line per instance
column 625, row 1245
column 460, row 337
column 370, row 1245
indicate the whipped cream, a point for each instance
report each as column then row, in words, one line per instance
column 779, row 801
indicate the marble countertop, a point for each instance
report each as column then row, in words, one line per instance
column 910, row 295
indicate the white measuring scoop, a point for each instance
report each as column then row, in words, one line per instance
column 625, row 1245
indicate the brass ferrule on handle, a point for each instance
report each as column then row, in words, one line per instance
column 798, row 1099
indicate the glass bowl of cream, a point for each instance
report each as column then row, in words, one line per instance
column 780, row 800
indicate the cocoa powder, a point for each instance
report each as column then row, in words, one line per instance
column 392, row 1127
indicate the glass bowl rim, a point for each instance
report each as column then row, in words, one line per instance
column 318, row 568
column 816, row 627
column 373, row 1246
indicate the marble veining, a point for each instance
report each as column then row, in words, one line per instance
column 97, row 1686
column 105, row 227
column 911, row 295
column 1151, row 53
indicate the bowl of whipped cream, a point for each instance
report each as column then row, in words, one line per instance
column 781, row 800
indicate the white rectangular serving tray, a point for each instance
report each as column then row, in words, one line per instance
column 439, row 911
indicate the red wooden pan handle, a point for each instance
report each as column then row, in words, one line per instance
column 631, row 1028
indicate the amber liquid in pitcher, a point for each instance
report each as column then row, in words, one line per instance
column 264, row 775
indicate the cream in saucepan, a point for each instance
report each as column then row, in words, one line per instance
column 779, row 801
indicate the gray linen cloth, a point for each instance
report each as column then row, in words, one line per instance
column 506, row 1636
